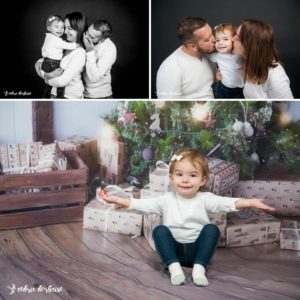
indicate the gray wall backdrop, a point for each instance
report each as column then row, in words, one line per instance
column 283, row 15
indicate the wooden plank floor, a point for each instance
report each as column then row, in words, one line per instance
column 95, row 265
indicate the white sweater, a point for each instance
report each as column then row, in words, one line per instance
column 185, row 217
column 230, row 67
column 97, row 76
column 73, row 65
column 182, row 76
column 277, row 86
column 53, row 46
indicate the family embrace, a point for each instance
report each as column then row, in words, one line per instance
column 247, row 61
column 80, row 66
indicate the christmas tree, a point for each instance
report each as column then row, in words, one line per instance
column 246, row 132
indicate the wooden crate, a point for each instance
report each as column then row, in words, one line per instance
column 60, row 197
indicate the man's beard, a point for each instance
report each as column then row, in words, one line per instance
column 201, row 51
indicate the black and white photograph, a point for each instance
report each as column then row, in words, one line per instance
column 75, row 49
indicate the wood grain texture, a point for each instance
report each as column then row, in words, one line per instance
column 96, row 265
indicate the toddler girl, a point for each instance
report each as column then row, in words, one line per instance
column 186, row 237
column 232, row 82
column 52, row 50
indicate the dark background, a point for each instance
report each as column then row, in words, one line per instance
column 284, row 16
column 23, row 32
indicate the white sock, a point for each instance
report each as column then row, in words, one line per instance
column 177, row 275
column 198, row 275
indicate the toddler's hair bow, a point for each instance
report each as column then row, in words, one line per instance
column 51, row 18
column 176, row 157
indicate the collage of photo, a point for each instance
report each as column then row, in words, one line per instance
column 150, row 149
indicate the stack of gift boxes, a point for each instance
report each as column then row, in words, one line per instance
column 32, row 157
column 245, row 227
column 284, row 196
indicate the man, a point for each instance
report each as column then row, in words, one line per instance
column 101, row 54
column 187, row 73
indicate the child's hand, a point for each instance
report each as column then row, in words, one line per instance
column 258, row 203
column 114, row 199
column 254, row 203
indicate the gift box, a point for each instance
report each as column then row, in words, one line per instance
column 51, row 159
column 101, row 217
column 220, row 219
column 150, row 222
column 159, row 178
column 282, row 195
column 251, row 226
column 15, row 157
column 112, row 162
column 86, row 148
column 223, row 176
column 290, row 235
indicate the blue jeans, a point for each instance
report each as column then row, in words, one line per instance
column 187, row 254
column 224, row 92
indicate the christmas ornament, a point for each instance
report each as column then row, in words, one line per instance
column 238, row 126
column 254, row 156
column 159, row 104
column 129, row 117
column 200, row 112
column 248, row 130
column 147, row 153
column 155, row 126
column 210, row 122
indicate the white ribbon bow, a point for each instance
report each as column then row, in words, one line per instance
column 176, row 157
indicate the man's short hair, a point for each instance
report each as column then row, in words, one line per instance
column 186, row 28
column 103, row 26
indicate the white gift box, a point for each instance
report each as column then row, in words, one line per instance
column 250, row 226
column 150, row 222
column 220, row 219
column 96, row 216
column 159, row 178
column 290, row 235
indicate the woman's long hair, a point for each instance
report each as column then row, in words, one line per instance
column 257, row 39
column 78, row 22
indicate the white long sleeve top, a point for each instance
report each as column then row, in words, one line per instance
column 183, row 76
column 185, row 217
column 53, row 46
column 73, row 65
column 277, row 86
column 230, row 67
column 97, row 75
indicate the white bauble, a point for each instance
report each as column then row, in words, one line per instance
column 254, row 156
column 248, row 130
column 238, row 126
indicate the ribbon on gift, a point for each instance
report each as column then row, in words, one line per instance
column 161, row 165
column 106, row 217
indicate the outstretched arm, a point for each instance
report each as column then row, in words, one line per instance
column 253, row 203
column 124, row 202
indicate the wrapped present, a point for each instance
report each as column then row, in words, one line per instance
column 15, row 157
column 51, row 159
column 86, row 148
column 112, row 162
column 282, row 195
column 159, row 178
column 150, row 222
column 251, row 226
column 223, row 176
column 100, row 217
column 290, row 235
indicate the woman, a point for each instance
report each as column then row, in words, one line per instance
column 265, row 77
column 72, row 63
